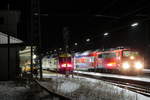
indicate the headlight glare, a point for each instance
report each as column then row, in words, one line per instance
column 138, row 65
column 126, row 65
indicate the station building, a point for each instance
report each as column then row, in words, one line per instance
column 9, row 51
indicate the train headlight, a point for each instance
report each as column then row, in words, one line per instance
column 66, row 65
column 132, row 57
column 138, row 65
column 111, row 64
column 125, row 65
column 69, row 65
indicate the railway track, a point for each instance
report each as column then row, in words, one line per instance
column 140, row 87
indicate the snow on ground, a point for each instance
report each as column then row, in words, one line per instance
column 9, row 91
column 80, row 88
column 139, row 78
column 146, row 70
column 71, row 87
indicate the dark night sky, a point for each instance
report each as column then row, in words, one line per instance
column 92, row 19
column 84, row 20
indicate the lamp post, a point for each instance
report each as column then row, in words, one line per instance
column 36, row 28
column 105, row 35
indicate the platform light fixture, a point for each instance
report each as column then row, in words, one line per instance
column 106, row 34
column 76, row 44
column 88, row 40
column 34, row 56
column 134, row 24
column 60, row 49
column 55, row 50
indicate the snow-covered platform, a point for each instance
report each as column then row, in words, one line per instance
column 81, row 88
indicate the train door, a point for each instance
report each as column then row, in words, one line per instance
column 109, row 60
column 118, row 59
column 100, row 61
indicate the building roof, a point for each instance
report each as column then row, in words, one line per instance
column 4, row 39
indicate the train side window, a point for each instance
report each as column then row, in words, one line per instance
column 100, row 56
column 119, row 54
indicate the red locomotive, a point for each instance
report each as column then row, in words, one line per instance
column 65, row 63
column 124, row 60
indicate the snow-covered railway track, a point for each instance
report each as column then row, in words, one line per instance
column 140, row 87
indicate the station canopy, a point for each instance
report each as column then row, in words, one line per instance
column 4, row 39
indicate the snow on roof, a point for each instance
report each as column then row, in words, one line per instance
column 65, row 55
column 4, row 39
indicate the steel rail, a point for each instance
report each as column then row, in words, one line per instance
column 140, row 87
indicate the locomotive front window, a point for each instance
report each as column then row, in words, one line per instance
column 130, row 53
column 100, row 56
column 64, row 59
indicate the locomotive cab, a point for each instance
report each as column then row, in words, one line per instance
column 65, row 63
column 132, row 61
column 122, row 60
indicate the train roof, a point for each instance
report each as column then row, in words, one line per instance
column 100, row 51
column 65, row 55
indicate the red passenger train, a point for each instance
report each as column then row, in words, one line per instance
column 122, row 60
